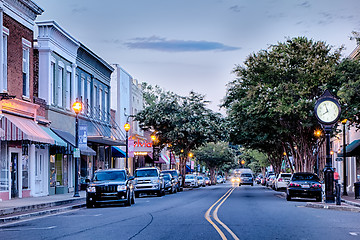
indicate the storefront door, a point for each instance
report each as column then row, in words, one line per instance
column 39, row 172
column 14, row 160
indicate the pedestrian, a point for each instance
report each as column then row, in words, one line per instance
column 336, row 176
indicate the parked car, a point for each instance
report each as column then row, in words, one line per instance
column 267, row 176
column 178, row 178
column 207, row 181
column 270, row 182
column 259, row 178
column 191, row 181
column 304, row 184
column 201, row 181
column 246, row 179
column 110, row 186
column 220, row 179
column 148, row 180
column 170, row 184
column 282, row 181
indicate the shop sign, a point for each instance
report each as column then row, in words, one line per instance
column 76, row 152
column 82, row 140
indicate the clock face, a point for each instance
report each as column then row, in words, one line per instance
column 327, row 111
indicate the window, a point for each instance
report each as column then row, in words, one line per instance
column 95, row 101
column 52, row 83
column 106, row 107
column 68, row 90
column 88, row 92
column 4, row 56
column 26, row 67
column 77, row 80
column 82, row 88
column 100, row 103
column 60, row 86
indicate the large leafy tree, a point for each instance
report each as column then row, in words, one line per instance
column 184, row 123
column 271, row 102
column 216, row 156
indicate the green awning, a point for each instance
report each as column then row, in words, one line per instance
column 57, row 139
column 352, row 149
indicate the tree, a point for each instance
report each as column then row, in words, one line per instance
column 216, row 156
column 271, row 102
column 183, row 122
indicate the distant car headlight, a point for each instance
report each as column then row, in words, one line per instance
column 155, row 181
column 91, row 189
column 121, row 188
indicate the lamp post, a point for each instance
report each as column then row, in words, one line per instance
column 77, row 107
column 127, row 128
column 317, row 135
column 154, row 140
column 344, row 157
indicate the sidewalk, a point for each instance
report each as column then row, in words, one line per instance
column 20, row 208
column 348, row 203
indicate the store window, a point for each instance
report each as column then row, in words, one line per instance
column 4, row 170
column 25, row 167
column 52, row 171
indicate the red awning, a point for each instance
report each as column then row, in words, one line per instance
column 19, row 128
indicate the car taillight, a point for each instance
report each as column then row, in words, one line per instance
column 294, row 185
column 280, row 180
column 316, row 185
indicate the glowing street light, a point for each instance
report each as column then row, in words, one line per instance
column 127, row 128
column 77, row 107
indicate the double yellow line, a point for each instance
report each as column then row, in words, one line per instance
column 215, row 216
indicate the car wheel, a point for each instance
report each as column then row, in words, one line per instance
column 288, row 197
column 128, row 200
column 318, row 198
column 137, row 195
column 158, row 193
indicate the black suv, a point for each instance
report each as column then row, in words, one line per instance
column 178, row 178
column 110, row 186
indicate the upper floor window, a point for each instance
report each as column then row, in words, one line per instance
column 52, row 82
column 26, row 67
column 68, row 90
column 95, row 101
column 88, row 92
column 4, row 57
column 82, row 88
column 60, row 86
column 100, row 104
column 106, row 106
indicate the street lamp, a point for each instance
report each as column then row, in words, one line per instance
column 317, row 134
column 344, row 157
column 127, row 128
column 77, row 107
column 154, row 140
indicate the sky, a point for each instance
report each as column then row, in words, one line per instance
column 185, row 45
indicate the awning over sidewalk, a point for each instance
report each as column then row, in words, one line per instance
column 57, row 139
column 117, row 152
column 19, row 128
column 105, row 141
column 69, row 138
column 352, row 149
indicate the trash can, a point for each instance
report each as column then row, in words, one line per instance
column 357, row 190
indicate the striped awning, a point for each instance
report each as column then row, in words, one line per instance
column 19, row 128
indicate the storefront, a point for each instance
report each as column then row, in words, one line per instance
column 23, row 157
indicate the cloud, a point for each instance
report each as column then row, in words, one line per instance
column 236, row 8
column 305, row 4
column 164, row 45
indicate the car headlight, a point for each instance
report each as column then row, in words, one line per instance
column 91, row 189
column 155, row 181
column 121, row 188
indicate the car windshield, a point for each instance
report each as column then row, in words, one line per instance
column 285, row 175
column 110, row 175
column 166, row 176
column 173, row 173
column 146, row 173
column 246, row 175
column 299, row 177
column 189, row 177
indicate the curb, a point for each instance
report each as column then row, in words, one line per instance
column 333, row 207
column 14, row 210
column 40, row 213
column 351, row 203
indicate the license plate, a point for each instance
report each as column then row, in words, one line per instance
column 306, row 186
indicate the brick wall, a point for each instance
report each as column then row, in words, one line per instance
column 15, row 53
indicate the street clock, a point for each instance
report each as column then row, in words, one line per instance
column 327, row 109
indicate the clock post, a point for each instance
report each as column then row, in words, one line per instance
column 327, row 111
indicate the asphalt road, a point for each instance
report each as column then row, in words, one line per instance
column 216, row 212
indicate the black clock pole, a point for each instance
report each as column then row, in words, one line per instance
column 328, row 171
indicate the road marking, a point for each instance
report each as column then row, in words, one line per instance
column 208, row 217
column 27, row 229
